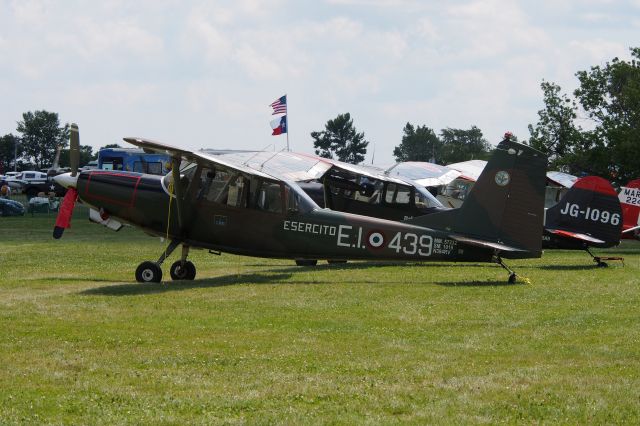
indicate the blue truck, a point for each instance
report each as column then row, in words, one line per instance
column 133, row 160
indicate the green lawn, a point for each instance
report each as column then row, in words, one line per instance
column 262, row 341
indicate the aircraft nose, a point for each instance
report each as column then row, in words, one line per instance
column 66, row 180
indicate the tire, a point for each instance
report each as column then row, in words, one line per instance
column 148, row 272
column 178, row 272
column 306, row 262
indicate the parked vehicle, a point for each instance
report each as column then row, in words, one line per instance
column 133, row 160
column 11, row 208
column 32, row 183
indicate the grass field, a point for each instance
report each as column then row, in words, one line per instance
column 261, row 341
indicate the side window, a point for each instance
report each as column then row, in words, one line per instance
column 237, row 196
column 269, row 197
column 154, row 168
column 397, row 194
column 29, row 175
column 371, row 190
column 404, row 195
column 390, row 193
column 215, row 187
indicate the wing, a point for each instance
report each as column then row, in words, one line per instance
column 423, row 173
column 194, row 156
column 287, row 165
column 563, row 179
column 469, row 170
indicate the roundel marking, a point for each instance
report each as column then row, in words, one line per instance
column 502, row 178
column 376, row 239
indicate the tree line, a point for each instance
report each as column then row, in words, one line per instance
column 40, row 136
column 607, row 102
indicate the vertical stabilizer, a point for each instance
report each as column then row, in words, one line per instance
column 506, row 205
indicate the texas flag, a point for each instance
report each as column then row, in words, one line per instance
column 279, row 125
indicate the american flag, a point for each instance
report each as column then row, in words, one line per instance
column 280, row 105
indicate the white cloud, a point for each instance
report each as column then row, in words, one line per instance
column 204, row 35
column 151, row 66
column 29, row 12
column 258, row 65
column 117, row 93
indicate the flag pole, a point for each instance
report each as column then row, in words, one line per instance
column 287, row 98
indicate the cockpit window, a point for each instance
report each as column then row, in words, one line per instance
column 269, row 197
column 297, row 200
column 397, row 194
column 424, row 199
column 187, row 170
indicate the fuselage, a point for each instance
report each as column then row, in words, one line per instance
column 249, row 227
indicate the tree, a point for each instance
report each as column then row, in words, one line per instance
column 462, row 145
column 8, row 145
column 86, row 155
column 418, row 144
column 610, row 95
column 555, row 134
column 110, row 145
column 41, row 136
column 340, row 138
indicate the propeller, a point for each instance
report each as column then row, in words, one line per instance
column 56, row 163
column 63, row 221
column 68, row 180
column 74, row 149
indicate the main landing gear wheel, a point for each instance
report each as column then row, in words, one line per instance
column 182, row 272
column 148, row 272
column 512, row 278
column 602, row 264
column 306, row 262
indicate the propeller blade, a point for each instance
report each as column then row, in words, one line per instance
column 63, row 221
column 74, row 149
column 56, row 163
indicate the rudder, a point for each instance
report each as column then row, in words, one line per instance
column 506, row 204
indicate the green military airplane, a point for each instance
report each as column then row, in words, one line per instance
column 207, row 202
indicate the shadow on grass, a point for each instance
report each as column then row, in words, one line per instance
column 566, row 267
column 358, row 265
column 163, row 287
column 71, row 279
column 276, row 275
column 503, row 283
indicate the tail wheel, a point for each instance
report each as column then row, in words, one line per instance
column 148, row 272
column 182, row 272
column 306, row 262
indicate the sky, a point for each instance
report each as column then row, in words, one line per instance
column 201, row 74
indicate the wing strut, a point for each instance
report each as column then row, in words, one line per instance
column 177, row 188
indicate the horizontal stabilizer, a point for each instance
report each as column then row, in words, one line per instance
column 576, row 235
column 485, row 244
column 635, row 228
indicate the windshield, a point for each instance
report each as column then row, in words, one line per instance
column 424, row 199
column 187, row 170
column 297, row 199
